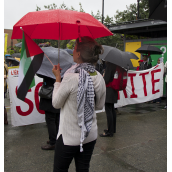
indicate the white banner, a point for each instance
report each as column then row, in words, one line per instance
column 27, row 112
column 142, row 86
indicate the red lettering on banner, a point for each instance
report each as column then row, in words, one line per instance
column 29, row 102
column 154, row 81
column 144, row 82
column 131, row 75
column 125, row 94
column 11, row 72
column 37, row 98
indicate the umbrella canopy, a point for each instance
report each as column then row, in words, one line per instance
column 16, row 55
column 69, row 51
column 17, row 58
column 19, row 44
column 130, row 55
column 59, row 25
column 14, row 61
column 146, row 49
column 118, row 57
column 158, row 9
column 66, row 61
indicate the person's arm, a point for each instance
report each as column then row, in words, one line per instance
column 100, row 96
column 61, row 91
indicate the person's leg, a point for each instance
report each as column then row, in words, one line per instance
column 5, row 113
column 63, row 155
column 51, row 124
column 109, row 115
column 166, row 93
column 114, row 119
column 82, row 159
column 158, row 100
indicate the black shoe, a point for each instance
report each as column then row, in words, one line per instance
column 48, row 147
column 48, row 142
column 105, row 130
column 106, row 135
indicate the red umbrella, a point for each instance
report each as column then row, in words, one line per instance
column 59, row 25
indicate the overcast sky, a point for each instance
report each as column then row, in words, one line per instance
column 15, row 10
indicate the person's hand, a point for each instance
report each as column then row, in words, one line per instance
column 5, row 76
column 56, row 71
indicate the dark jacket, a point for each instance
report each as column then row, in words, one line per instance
column 145, row 66
column 111, row 94
column 46, row 104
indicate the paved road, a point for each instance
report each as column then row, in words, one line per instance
column 140, row 144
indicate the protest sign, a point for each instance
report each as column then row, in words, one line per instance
column 142, row 86
column 24, row 112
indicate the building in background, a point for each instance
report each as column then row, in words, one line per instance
column 10, row 42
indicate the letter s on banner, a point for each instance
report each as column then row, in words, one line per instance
column 29, row 102
column 37, row 98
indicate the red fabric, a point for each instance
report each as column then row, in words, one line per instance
column 144, row 82
column 131, row 75
column 49, row 24
column 32, row 48
column 141, row 60
column 154, row 81
column 137, row 69
column 30, row 104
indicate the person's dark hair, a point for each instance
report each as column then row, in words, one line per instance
column 89, row 49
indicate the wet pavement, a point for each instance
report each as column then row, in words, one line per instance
column 139, row 145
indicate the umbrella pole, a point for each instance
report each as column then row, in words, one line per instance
column 48, row 59
column 59, row 45
column 58, row 51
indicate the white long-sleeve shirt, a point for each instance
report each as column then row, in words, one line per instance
column 65, row 97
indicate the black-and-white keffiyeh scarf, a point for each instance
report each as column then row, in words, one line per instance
column 85, row 100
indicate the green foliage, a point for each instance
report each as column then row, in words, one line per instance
column 81, row 9
column 131, row 12
column 71, row 44
column 11, row 52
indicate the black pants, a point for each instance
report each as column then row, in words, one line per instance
column 111, row 117
column 64, row 155
column 52, row 120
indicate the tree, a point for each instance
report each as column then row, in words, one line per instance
column 131, row 12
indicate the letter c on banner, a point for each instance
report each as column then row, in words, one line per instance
column 29, row 102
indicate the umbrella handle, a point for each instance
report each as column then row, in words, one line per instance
column 48, row 59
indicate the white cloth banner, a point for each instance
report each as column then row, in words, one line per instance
column 142, row 86
column 27, row 112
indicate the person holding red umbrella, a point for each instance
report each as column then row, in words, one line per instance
column 81, row 92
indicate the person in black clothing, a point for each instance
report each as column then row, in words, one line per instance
column 111, row 98
column 145, row 64
column 52, row 115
